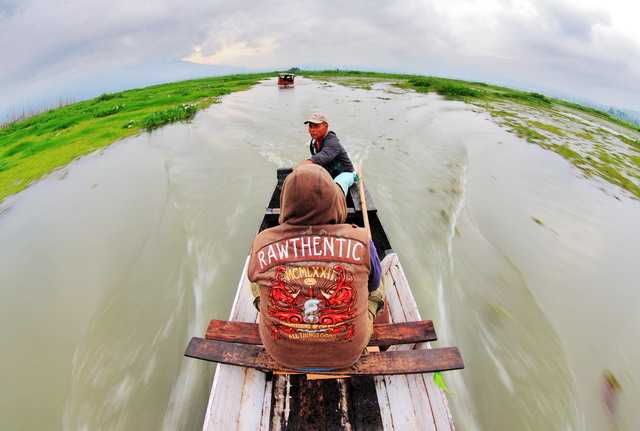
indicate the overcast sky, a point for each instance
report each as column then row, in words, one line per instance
column 61, row 50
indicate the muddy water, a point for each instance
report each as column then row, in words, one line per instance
column 108, row 267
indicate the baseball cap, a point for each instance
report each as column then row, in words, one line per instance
column 316, row 118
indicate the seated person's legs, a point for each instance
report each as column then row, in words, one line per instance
column 376, row 304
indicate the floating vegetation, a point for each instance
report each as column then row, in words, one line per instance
column 611, row 389
column 499, row 113
column 585, row 135
column 445, row 216
column 445, row 87
column 109, row 111
column 177, row 113
column 547, row 127
column 537, row 220
column 106, row 96
column 527, row 133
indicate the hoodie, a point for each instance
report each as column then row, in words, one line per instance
column 312, row 272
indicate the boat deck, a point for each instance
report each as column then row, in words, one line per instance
column 247, row 399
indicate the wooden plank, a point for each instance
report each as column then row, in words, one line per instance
column 252, row 400
column 408, row 400
column 383, row 403
column 228, row 393
column 384, row 334
column 396, row 388
column 437, row 399
column 343, row 405
column 390, row 362
column 421, row 402
column 424, row 398
column 266, row 406
column 280, row 403
column 315, row 376
column 355, row 196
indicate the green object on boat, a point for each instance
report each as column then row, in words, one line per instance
column 439, row 381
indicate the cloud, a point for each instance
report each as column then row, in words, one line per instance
column 559, row 46
column 237, row 53
column 8, row 8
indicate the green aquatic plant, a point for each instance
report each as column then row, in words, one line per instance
column 106, row 96
column 537, row 220
column 547, row 127
column 585, row 135
column 567, row 153
column 527, row 133
column 499, row 113
column 171, row 115
column 447, row 88
column 105, row 112
column 4, row 165
column 633, row 143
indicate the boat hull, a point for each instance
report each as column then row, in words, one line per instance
column 248, row 399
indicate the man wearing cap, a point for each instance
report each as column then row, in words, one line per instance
column 327, row 152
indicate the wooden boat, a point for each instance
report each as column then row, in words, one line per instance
column 249, row 399
column 285, row 80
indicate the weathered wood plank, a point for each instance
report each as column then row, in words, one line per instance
column 383, row 403
column 384, row 334
column 400, row 403
column 228, row 392
column 421, row 402
column 280, row 403
column 355, row 195
column 252, row 400
column 404, row 392
column 266, row 406
column 390, row 362
column 425, row 399
column 437, row 399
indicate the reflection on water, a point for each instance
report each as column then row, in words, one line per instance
column 109, row 269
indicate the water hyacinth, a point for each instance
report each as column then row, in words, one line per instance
column 181, row 112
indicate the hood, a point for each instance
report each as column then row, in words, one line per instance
column 310, row 197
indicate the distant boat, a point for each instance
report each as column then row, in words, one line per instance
column 285, row 80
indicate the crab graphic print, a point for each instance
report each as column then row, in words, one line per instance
column 313, row 294
column 312, row 302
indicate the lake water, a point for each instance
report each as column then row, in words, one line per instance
column 108, row 267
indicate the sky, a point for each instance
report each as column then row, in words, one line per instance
column 60, row 51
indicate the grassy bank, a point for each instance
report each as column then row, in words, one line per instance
column 597, row 152
column 33, row 147
column 455, row 89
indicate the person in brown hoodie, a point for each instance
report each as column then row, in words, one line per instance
column 315, row 278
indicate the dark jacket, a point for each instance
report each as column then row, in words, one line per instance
column 331, row 156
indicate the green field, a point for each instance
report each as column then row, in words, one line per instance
column 34, row 147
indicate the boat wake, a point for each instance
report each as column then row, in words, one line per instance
column 522, row 367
